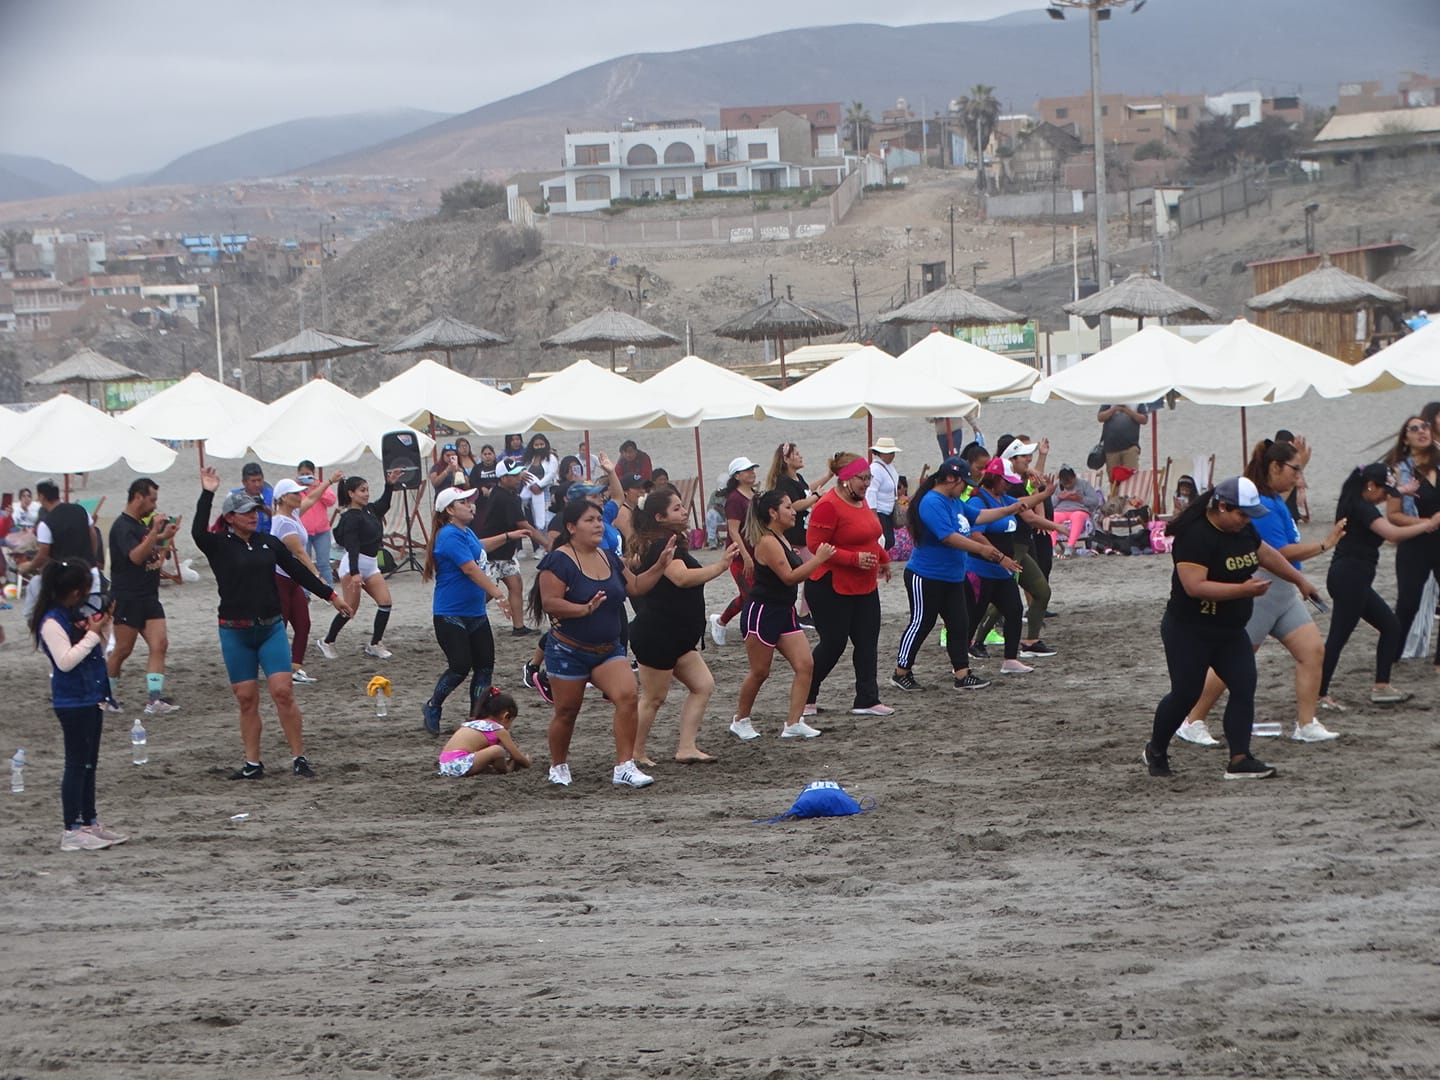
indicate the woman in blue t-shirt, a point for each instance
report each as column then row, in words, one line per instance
column 940, row 525
column 456, row 560
column 1281, row 613
column 581, row 588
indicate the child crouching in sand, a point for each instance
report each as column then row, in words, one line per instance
column 483, row 744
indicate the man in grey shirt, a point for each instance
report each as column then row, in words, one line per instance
column 1120, row 437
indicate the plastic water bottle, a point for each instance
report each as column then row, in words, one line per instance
column 17, row 771
column 139, row 751
column 382, row 704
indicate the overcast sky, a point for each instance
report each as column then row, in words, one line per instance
column 110, row 87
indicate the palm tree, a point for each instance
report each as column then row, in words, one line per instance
column 10, row 239
column 981, row 110
column 858, row 125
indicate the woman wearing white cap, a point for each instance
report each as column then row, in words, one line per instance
column 739, row 490
column 455, row 559
column 1212, row 594
column 291, row 502
column 884, row 487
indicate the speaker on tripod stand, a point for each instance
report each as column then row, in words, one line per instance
column 401, row 450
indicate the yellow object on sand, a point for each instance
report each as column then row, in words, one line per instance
column 378, row 685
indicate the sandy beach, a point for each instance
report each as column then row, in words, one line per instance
column 1023, row 899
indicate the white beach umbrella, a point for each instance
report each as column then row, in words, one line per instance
column 320, row 422
column 979, row 372
column 65, row 435
column 584, row 396
column 196, row 408
column 723, row 394
column 429, row 391
column 1414, row 360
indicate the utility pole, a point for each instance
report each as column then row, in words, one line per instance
column 855, row 280
column 952, row 241
column 1102, row 245
column 772, row 286
column 219, row 352
column 639, row 296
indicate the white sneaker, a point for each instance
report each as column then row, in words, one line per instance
column 743, row 729
column 379, row 652
column 560, row 774
column 799, row 730
column 160, row 708
column 326, row 649
column 810, row 710
column 1314, row 731
column 878, row 709
column 717, row 630
column 299, row 676
column 1015, row 667
column 80, row 840
column 628, row 774
column 1198, row 733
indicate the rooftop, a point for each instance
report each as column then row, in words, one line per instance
column 1370, row 125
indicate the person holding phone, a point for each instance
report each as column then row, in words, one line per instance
column 139, row 540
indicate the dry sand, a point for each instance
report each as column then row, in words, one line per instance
column 1023, row 901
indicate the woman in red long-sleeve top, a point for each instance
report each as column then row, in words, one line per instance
column 843, row 594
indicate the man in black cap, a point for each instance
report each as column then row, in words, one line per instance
column 252, row 482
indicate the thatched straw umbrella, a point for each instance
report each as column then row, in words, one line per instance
column 951, row 306
column 1326, row 288
column 1417, row 278
column 1141, row 297
column 610, row 329
column 86, row 366
column 780, row 318
column 446, row 334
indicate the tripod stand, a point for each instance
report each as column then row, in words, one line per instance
column 403, row 544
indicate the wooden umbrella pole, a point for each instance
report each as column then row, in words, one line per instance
column 67, row 487
column 588, row 454
column 1155, row 464
column 1244, row 439
column 869, row 430
column 200, row 451
column 700, row 482
column 784, row 380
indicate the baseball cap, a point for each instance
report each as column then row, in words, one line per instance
column 999, row 467
column 635, row 480
column 287, row 487
column 1018, row 449
column 240, row 502
column 448, row 497
column 953, row 468
column 515, row 469
column 252, row 468
column 1239, row 492
column 740, row 464
column 582, row 490
column 1378, row 473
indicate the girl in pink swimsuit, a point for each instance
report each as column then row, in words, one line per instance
column 484, row 744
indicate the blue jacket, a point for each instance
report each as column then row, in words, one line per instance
column 87, row 683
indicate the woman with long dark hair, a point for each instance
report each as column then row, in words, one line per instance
column 785, row 476
column 581, row 588
column 361, row 532
column 1274, row 469
column 464, row 455
column 73, row 636
column 455, row 560
column 769, row 618
column 1351, row 580
column 1216, row 553
column 1416, row 461
column 670, row 623
column 447, row 471
column 542, row 468
column 739, row 490
column 940, row 525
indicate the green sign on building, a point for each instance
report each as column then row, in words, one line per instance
column 120, row 396
column 1011, row 338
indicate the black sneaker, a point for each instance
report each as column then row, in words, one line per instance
column 807, row 622
column 1247, row 768
column 979, row 652
column 302, row 767
column 905, row 681
column 521, row 631
column 248, row 772
column 1029, row 652
column 971, row 682
column 1158, row 764
column 431, row 716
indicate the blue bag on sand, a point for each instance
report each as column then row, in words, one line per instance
column 823, row 798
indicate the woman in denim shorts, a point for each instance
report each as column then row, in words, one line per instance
column 582, row 587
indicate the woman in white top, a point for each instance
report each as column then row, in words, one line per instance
column 291, row 501
column 884, row 485
column 27, row 509
column 542, row 465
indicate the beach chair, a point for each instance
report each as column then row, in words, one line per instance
column 686, row 489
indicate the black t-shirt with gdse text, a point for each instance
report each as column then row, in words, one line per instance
column 1228, row 557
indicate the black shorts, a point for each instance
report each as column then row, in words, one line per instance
column 136, row 611
column 768, row 622
column 660, row 647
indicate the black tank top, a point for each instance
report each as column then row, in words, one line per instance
column 767, row 586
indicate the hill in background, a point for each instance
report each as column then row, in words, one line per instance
column 34, row 178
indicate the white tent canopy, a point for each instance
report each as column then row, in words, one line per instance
column 868, row 382
column 1145, row 366
column 978, row 372
column 429, row 390
column 1285, row 369
column 584, row 396
column 319, row 422
column 65, row 435
column 723, row 394
column 1414, row 360
column 197, row 407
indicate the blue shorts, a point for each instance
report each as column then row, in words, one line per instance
column 248, row 649
column 564, row 661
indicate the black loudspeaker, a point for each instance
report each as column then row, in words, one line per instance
column 401, row 450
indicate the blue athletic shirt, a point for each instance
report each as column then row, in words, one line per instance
column 1000, row 531
column 1277, row 528
column 456, row 594
column 943, row 516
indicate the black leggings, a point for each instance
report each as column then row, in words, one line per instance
column 1415, row 560
column 887, row 529
column 469, row 649
column 1190, row 651
column 1035, row 580
column 929, row 599
column 839, row 619
column 1350, row 583
column 1005, row 595
column 81, row 728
